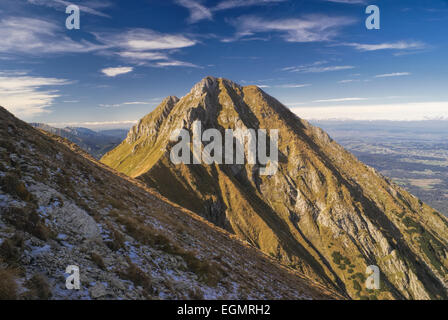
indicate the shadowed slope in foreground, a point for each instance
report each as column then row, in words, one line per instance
column 60, row 207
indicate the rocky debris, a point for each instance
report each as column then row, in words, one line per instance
column 59, row 208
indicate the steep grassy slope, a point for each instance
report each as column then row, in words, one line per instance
column 323, row 213
column 60, row 207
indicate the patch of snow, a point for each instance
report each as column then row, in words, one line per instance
column 61, row 236
column 67, row 245
column 43, row 211
column 133, row 255
column 36, row 251
column 3, row 200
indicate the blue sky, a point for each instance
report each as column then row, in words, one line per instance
column 317, row 57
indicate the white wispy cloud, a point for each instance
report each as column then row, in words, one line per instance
column 175, row 63
column 113, row 72
column 31, row 36
column 311, row 28
column 348, row 80
column 292, row 85
column 36, row 37
column 395, row 112
column 395, row 74
column 317, row 67
column 145, row 40
column 24, row 95
column 103, row 105
column 136, row 103
column 61, row 5
column 340, row 100
column 145, row 45
column 130, row 103
column 198, row 12
column 348, row 1
column 231, row 4
column 285, row 86
column 139, row 56
column 399, row 45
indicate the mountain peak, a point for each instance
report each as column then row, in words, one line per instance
column 170, row 100
column 151, row 122
column 209, row 84
column 323, row 212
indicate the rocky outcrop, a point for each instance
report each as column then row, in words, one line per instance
column 149, row 126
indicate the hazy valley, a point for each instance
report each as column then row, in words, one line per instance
column 412, row 154
column 96, row 143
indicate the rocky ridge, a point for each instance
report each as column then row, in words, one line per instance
column 324, row 213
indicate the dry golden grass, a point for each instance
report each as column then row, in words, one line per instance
column 38, row 288
column 137, row 276
column 11, row 184
column 98, row 260
column 27, row 220
column 8, row 285
column 11, row 248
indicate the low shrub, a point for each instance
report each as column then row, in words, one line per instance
column 8, row 145
column 196, row 294
column 413, row 225
column 11, row 249
column 359, row 276
column 26, row 219
column 11, row 184
column 117, row 204
column 39, row 288
column 117, row 241
column 98, row 260
column 356, row 285
column 8, row 285
column 138, row 277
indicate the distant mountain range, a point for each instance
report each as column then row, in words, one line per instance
column 93, row 142
column 323, row 213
